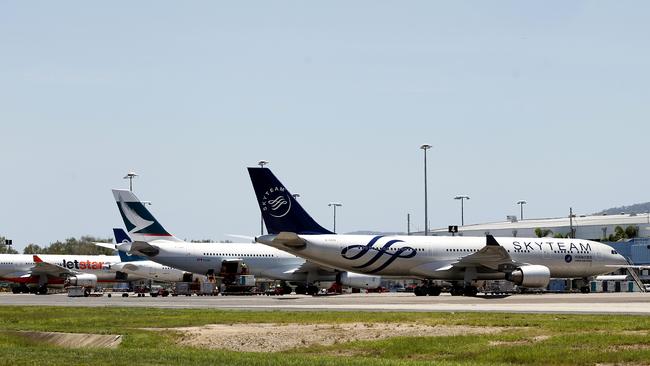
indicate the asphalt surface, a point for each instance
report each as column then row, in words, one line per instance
column 609, row 303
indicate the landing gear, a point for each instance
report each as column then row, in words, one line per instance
column 425, row 290
column 301, row 290
column 420, row 291
column 42, row 290
column 585, row 289
column 312, row 290
column 456, row 291
column 470, row 291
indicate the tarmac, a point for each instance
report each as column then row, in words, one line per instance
column 596, row 303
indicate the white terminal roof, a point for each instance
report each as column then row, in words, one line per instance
column 578, row 220
column 590, row 226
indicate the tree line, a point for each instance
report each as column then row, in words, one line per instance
column 74, row 246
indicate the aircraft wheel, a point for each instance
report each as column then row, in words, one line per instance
column 420, row 291
column 301, row 290
column 125, row 295
column 312, row 290
column 456, row 291
column 470, row 291
column 42, row 290
column 434, row 290
column 585, row 289
column 16, row 290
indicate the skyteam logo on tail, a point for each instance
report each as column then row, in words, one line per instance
column 375, row 253
column 276, row 202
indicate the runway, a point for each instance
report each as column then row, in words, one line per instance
column 603, row 303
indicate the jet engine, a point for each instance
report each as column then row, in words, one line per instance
column 532, row 276
column 83, row 280
column 358, row 280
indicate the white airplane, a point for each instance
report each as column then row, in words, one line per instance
column 140, row 267
column 43, row 270
column 151, row 240
column 528, row 262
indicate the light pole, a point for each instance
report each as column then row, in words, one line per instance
column 334, row 205
column 130, row 175
column 521, row 204
column 462, row 198
column 425, row 147
column 261, row 163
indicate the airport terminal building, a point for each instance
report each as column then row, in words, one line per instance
column 591, row 227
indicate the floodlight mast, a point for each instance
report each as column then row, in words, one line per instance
column 425, row 147
column 262, row 163
column 521, row 204
column 335, row 205
column 130, row 175
column 462, row 198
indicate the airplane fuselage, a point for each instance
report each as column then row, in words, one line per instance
column 17, row 267
column 434, row 257
column 262, row 261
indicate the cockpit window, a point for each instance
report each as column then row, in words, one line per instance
column 614, row 252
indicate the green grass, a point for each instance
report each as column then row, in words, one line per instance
column 572, row 339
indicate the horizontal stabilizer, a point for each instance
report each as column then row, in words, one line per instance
column 106, row 245
column 291, row 240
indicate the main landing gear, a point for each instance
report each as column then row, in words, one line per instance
column 306, row 290
column 433, row 290
column 425, row 290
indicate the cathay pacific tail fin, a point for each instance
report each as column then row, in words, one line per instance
column 139, row 222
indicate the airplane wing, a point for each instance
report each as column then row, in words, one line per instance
column 49, row 269
column 492, row 256
column 245, row 237
column 106, row 245
column 309, row 266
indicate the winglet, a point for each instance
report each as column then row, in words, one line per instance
column 37, row 259
column 491, row 241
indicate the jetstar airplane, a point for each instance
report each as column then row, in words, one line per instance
column 142, row 267
column 152, row 241
column 528, row 262
column 43, row 270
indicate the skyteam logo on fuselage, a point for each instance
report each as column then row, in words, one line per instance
column 276, row 202
column 354, row 252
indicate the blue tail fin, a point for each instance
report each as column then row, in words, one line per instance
column 280, row 210
column 122, row 237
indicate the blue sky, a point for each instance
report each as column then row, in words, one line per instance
column 543, row 101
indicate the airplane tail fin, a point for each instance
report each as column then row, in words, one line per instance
column 140, row 223
column 122, row 237
column 280, row 210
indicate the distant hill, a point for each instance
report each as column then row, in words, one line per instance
column 635, row 208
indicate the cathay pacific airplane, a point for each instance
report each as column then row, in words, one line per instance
column 152, row 241
column 141, row 267
column 528, row 262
